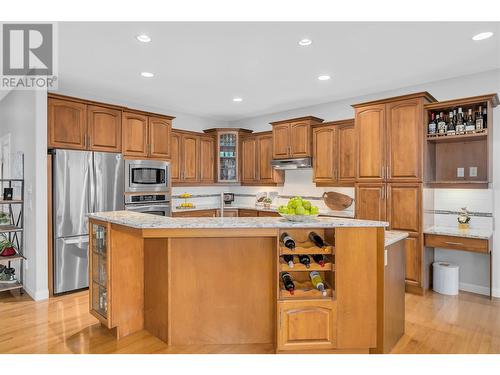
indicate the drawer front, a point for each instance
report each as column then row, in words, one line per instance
column 457, row 243
column 247, row 213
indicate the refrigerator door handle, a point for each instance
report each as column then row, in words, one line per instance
column 92, row 189
column 74, row 241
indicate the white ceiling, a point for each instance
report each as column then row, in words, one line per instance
column 199, row 67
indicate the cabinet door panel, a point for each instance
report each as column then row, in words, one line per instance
column 266, row 173
column 175, row 155
column 249, row 160
column 67, row 124
column 413, row 254
column 324, row 154
column 134, row 134
column 404, row 206
column 404, row 140
column 346, row 146
column 370, row 201
column 300, row 139
column 306, row 325
column 207, row 159
column 370, row 124
column 247, row 213
column 104, row 128
column 190, row 166
column 281, row 141
column 159, row 137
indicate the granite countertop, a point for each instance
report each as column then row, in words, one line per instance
column 392, row 236
column 483, row 234
column 147, row 221
column 346, row 214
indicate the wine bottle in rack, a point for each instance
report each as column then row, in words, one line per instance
column 470, row 126
column 441, row 124
column 287, row 240
column 485, row 116
column 305, row 260
column 431, row 129
column 317, row 282
column 316, row 239
column 459, row 124
column 318, row 258
column 479, row 119
column 288, row 282
column 289, row 260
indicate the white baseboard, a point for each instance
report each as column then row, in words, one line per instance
column 38, row 295
column 473, row 288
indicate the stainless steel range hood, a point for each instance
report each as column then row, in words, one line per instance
column 299, row 163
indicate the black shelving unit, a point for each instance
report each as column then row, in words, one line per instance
column 14, row 231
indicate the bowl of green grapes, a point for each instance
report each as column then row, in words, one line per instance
column 298, row 209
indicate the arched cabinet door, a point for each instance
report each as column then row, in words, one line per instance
column 67, row 124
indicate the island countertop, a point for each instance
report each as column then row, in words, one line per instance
column 148, row 221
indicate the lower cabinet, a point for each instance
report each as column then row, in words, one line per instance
column 371, row 201
column 268, row 214
column 306, row 325
column 196, row 213
column 229, row 212
column 247, row 213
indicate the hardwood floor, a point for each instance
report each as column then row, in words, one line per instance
column 435, row 323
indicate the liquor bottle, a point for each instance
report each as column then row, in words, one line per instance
column 305, row 260
column 287, row 240
column 441, row 124
column 289, row 260
column 485, row 117
column 479, row 119
column 288, row 282
column 318, row 258
column 451, row 124
column 316, row 239
column 431, row 129
column 470, row 125
column 317, row 282
column 460, row 127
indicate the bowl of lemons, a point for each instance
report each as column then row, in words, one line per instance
column 298, row 209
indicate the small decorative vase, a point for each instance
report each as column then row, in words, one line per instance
column 463, row 219
column 464, row 226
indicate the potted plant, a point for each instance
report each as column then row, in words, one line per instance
column 7, row 247
column 267, row 202
column 4, row 218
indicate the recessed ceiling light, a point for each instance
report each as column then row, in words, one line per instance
column 324, row 77
column 143, row 38
column 147, row 74
column 305, row 42
column 237, row 100
column 482, row 36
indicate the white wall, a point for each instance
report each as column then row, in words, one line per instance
column 23, row 115
column 473, row 266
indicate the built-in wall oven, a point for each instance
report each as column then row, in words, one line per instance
column 156, row 204
column 147, row 187
column 147, row 176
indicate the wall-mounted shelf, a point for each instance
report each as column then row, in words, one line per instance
column 461, row 161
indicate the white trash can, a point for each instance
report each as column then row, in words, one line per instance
column 445, row 280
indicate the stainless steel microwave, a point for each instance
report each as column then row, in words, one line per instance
column 147, row 176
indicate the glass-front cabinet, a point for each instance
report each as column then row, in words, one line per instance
column 99, row 271
column 228, row 157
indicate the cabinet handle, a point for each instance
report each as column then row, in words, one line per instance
column 387, row 172
column 454, row 243
column 382, row 172
column 89, row 141
column 383, row 192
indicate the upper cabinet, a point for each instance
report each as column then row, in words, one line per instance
column 389, row 139
column 85, row 125
column 104, row 128
column 255, row 159
column 146, row 136
column 67, row 124
column 334, row 160
column 192, row 158
column 293, row 138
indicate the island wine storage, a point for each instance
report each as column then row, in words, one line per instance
column 219, row 282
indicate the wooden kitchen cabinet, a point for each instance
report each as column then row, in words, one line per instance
column 175, row 151
column 104, row 128
column 81, row 124
column 334, row 153
column 146, row 136
column 404, row 202
column 304, row 325
column 67, row 124
column 195, row 213
column 207, row 159
column 256, row 157
column 190, row 158
column 371, row 201
column 247, row 213
column 293, row 138
column 413, row 259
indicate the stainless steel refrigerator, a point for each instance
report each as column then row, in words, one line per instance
column 83, row 182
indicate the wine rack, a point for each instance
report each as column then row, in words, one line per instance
column 304, row 289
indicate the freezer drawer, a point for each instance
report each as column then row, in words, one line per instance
column 71, row 264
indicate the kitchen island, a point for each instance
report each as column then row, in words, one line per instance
column 195, row 281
